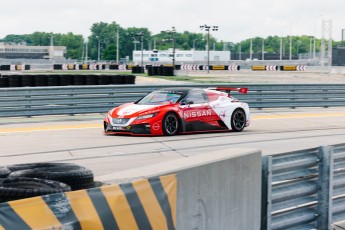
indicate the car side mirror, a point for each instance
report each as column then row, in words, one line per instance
column 184, row 102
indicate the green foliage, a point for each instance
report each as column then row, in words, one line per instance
column 104, row 35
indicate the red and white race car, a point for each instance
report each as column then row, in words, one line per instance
column 180, row 110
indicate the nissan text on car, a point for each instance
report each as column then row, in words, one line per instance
column 170, row 111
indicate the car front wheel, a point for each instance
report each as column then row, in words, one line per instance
column 170, row 124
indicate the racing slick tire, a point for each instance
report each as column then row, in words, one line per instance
column 4, row 172
column 170, row 124
column 75, row 176
column 17, row 167
column 238, row 120
column 21, row 187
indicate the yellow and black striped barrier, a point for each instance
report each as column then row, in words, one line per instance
column 288, row 68
column 144, row 204
column 217, row 67
column 258, row 67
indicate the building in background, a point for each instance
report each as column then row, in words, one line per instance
column 181, row 56
column 22, row 51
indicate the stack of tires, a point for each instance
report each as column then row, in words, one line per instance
column 160, row 70
column 129, row 79
column 138, row 69
column 28, row 81
column 41, row 80
column 3, row 81
column 20, row 181
column 14, row 81
column 91, row 79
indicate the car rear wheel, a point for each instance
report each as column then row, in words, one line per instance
column 170, row 124
column 238, row 120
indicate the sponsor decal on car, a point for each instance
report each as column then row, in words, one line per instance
column 191, row 114
column 155, row 126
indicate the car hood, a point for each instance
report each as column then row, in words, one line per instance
column 134, row 110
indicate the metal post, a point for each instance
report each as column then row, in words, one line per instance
column 117, row 46
column 281, row 49
column 240, row 55
column 142, row 48
column 263, row 49
column 310, row 47
column 266, row 196
column 194, row 44
column 207, row 28
column 208, row 51
column 290, row 52
column 314, row 48
column 325, row 192
column 99, row 48
column 174, row 46
column 86, row 51
column 251, row 49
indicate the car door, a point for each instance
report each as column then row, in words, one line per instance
column 196, row 112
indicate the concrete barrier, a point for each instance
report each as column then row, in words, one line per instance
column 219, row 190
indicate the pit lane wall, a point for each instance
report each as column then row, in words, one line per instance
column 141, row 204
column 219, row 190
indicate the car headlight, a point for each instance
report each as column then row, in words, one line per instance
column 146, row 116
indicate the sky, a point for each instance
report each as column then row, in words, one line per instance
column 236, row 20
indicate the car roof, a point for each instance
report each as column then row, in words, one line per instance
column 180, row 90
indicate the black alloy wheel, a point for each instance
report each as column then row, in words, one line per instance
column 238, row 120
column 170, row 124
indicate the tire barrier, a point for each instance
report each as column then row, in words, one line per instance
column 41, row 80
column 113, row 67
column 142, row 204
column 14, row 67
column 3, row 81
column 35, row 179
column 4, row 172
column 138, row 69
column 17, row 188
column 28, row 81
column 160, row 70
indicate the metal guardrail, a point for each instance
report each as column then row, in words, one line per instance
column 34, row 101
column 304, row 189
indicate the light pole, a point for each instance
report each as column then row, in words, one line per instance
column 251, row 49
column 240, row 52
column 281, row 48
column 207, row 29
column 141, row 35
column 290, row 51
column 99, row 48
column 263, row 49
column 51, row 48
column 172, row 32
column 194, row 43
column 117, row 45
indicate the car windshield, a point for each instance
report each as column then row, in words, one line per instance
column 159, row 98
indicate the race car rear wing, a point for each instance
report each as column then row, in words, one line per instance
column 229, row 89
